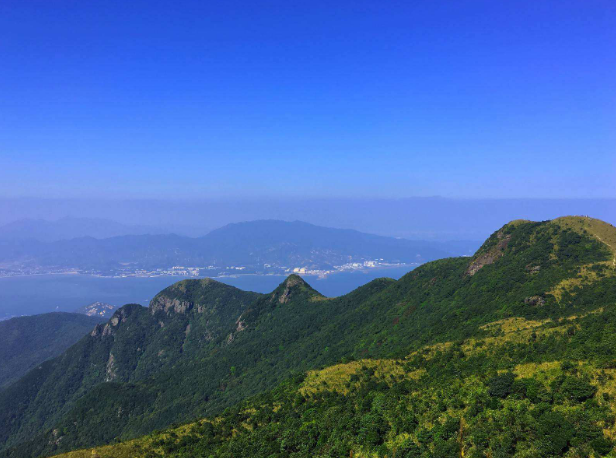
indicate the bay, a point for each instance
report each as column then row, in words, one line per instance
column 30, row 295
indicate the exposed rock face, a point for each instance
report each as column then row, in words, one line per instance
column 292, row 282
column 534, row 300
column 491, row 255
column 111, row 369
column 284, row 297
column 240, row 325
column 533, row 269
column 56, row 437
column 115, row 320
column 166, row 304
column 107, row 329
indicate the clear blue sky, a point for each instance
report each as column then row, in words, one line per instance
column 307, row 98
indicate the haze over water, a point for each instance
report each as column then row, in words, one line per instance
column 47, row 293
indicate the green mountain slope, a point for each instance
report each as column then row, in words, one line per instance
column 135, row 343
column 526, row 388
column 157, row 374
column 26, row 342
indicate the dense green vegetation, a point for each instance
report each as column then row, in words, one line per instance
column 527, row 389
column 203, row 347
column 134, row 344
column 26, row 342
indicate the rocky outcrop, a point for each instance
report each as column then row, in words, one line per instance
column 240, row 325
column 491, row 255
column 120, row 316
column 533, row 269
column 111, row 370
column 534, row 300
column 107, row 330
column 56, row 437
column 167, row 305
column 293, row 284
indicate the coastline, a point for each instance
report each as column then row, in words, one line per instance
column 314, row 273
column 43, row 293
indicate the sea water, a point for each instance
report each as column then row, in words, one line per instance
column 30, row 295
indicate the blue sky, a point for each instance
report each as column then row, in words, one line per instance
column 185, row 99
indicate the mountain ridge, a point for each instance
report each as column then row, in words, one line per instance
column 436, row 302
column 68, row 228
column 252, row 245
column 519, row 387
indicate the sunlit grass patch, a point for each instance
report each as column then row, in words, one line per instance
column 338, row 377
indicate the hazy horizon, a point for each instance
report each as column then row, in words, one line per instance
column 433, row 218
column 406, row 319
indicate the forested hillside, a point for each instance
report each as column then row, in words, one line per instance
column 527, row 388
column 27, row 341
column 403, row 348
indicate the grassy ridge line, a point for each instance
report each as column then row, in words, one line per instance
column 588, row 274
column 602, row 231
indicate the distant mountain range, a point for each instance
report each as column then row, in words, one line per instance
column 414, row 218
column 69, row 228
column 259, row 246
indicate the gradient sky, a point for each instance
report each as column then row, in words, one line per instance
column 185, row 99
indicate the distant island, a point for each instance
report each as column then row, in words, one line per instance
column 97, row 309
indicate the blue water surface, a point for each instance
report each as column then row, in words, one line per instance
column 30, row 295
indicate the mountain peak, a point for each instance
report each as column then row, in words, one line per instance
column 200, row 295
column 293, row 280
column 178, row 297
column 585, row 225
column 552, row 241
column 293, row 287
